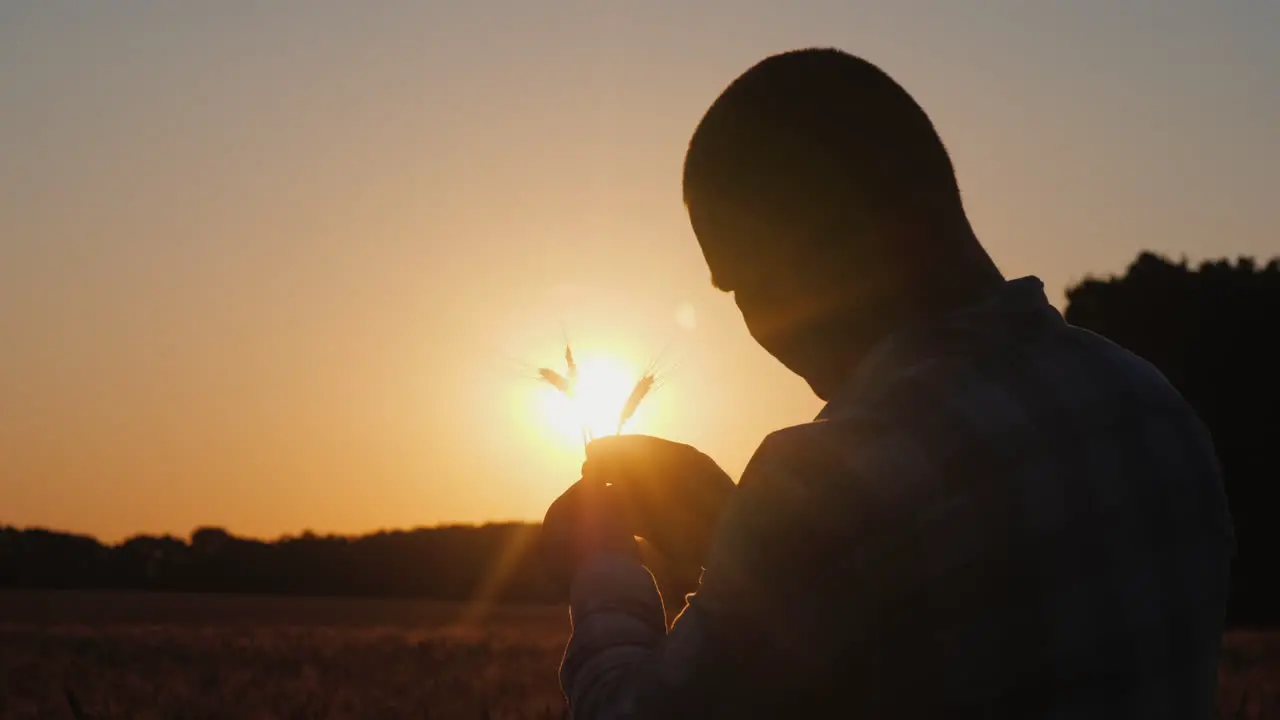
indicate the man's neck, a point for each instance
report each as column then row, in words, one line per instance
column 966, row 280
column 962, row 275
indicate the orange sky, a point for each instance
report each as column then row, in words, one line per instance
column 278, row 268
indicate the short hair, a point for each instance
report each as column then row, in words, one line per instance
column 819, row 132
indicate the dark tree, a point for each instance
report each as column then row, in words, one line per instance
column 1212, row 331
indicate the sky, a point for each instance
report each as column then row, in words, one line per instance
column 293, row 265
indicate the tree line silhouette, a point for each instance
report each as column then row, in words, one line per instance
column 496, row 562
column 1207, row 328
column 446, row 563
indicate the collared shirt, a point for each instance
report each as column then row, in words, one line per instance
column 1001, row 515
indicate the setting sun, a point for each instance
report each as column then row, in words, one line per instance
column 603, row 385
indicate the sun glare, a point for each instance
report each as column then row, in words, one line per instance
column 602, row 389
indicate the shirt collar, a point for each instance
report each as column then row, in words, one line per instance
column 1019, row 303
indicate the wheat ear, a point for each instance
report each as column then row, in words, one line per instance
column 556, row 380
column 642, row 388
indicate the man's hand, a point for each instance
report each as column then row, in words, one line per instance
column 588, row 519
column 673, row 493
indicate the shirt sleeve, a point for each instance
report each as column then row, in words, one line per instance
column 752, row 634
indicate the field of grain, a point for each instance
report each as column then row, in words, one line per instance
column 140, row 656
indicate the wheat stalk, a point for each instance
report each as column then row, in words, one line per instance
column 641, row 389
column 567, row 385
column 570, row 364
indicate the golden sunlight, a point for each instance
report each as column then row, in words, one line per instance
column 603, row 386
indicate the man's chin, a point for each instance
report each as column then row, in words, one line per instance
column 807, row 371
column 827, row 381
column 824, row 391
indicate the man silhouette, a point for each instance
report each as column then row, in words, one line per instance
column 996, row 515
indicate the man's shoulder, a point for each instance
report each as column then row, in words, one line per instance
column 1066, row 376
column 829, row 444
column 941, row 420
column 938, row 418
column 830, row 464
column 1134, row 375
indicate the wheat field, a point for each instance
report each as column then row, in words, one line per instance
column 174, row 657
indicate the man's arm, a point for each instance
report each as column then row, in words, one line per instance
column 766, row 616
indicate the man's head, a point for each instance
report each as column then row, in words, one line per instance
column 824, row 199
